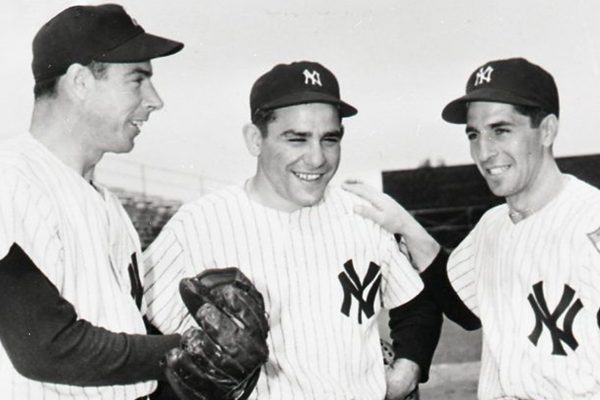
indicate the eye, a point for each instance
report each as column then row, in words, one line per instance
column 331, row 139
column 472, row 135
column 501, row 131
column 296, row 139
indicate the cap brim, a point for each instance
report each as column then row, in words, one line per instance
column 346, row 110
column 142, row 47
column 456, row 111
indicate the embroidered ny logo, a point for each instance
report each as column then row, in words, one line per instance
column 312, row 77
column 484, row 75
column 353, row 287
column 137, row 291
column 549, row 319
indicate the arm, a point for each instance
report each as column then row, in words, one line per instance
column 427, row 255
column 45, row 341
column 394, row 218
column 415, row 330
column 437, row 283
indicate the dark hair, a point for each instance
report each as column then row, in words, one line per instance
column 261, row 119
column 47, row 87
column 536, row 114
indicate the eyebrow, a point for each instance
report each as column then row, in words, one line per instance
column 142, row 71
column 495, row 125
column 291, row 132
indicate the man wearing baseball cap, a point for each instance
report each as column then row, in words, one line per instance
column 71, row 304
column 325, row 273
column 525, row 272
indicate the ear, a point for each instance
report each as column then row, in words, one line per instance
column 77, row 81
column 549, row 130
column 253, row 138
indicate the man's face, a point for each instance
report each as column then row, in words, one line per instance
column 507, row 150
column 299, row 155
column 119, row 103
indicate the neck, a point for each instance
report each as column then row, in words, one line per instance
column 259, row 192
column 60, row 132
column 549, row 183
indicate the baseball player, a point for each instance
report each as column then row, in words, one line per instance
column 71, row 303
column 526, row 272
column 325, row 272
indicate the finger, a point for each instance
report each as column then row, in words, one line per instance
column 366, row 192
column 352, row 180
column 369, row 212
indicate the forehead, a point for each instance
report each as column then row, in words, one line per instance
column 312, row 116
column 485, row 112
column 123, row 69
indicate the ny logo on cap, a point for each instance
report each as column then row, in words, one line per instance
column 312, row 77
column 484, row 75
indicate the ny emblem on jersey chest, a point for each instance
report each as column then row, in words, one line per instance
column 137, row 291
column 568, row 307
column 363, row 291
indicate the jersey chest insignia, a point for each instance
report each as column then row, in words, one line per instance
column 568, row 306
column 363, row 291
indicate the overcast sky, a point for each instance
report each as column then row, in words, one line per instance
column 399, row 62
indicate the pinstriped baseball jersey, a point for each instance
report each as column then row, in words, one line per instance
column 324, row 272
column 534, row 285
column 82, row 240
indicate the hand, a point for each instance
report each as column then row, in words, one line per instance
column 383, row 210
column 402, row 378
column 394, row 218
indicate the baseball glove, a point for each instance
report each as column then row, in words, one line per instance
column 221, row 359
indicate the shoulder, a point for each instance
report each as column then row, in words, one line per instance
column 16, row 156
column 211, row 204
column 342, row 200
column 580, row 193
column 579, row 207
column 492, row 217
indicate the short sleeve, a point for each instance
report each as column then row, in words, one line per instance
column 462, row 271
column 402, row 282
column 165, row 263
column 28, row 219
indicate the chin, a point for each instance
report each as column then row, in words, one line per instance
column 308, row 201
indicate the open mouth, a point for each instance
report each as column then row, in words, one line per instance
column 138, row 123
column 307, row 177
column 495, row 171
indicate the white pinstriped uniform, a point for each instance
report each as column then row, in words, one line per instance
column 82, row 240
column 317, row 352
column 494, row 271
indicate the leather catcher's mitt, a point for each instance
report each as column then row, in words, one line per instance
column 221, row 359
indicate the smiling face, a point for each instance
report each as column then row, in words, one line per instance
column 510, row 154
column 298, row 155
column 119, row 103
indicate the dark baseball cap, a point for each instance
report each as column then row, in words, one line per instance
column 104, row 33
column 300, row 82
column 513, row 81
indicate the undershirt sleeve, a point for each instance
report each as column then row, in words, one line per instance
column 46, row 341
column 437, row 283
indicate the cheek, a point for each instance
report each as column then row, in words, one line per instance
column 333, row 155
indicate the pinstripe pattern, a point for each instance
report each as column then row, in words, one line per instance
column 294, row 259
column 82, row 240
column 494, row 270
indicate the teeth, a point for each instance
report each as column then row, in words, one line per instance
column 497, row 170
column 307, row 177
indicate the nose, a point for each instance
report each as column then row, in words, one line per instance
column 485, row 148
column 152, row 100
column 315, row 157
